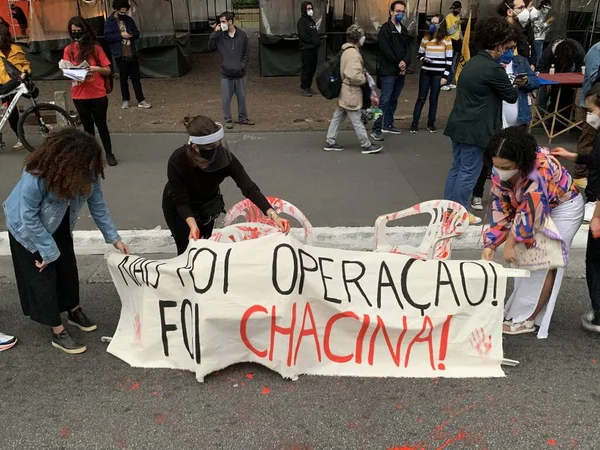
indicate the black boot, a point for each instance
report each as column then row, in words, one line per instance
column 111, row 160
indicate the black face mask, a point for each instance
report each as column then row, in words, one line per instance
column 207, row 154
column 77, row 35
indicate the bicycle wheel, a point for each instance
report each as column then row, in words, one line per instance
column 39, row 120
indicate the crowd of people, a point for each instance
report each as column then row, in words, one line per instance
column 487, row 127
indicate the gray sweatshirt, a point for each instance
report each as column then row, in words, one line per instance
column 234, row 52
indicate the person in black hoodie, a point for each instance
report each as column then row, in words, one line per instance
column 310, row 41
column 232, row 44
column 394, row 58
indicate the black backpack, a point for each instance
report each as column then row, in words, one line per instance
column 329, row 78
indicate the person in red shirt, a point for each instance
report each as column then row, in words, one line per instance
column 90, row 96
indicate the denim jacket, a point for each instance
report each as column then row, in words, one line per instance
column 592, row 66
column 521, row 65
column 33, row 215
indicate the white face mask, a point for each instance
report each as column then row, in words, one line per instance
column 362, row 40
column 593, row 120
column 505, row 175
column 224, row 27
column 310, row 13
column 523, row 17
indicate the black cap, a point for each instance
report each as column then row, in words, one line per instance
column 456, row 5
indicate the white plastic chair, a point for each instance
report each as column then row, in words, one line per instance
column 243, row 232
column 448, row 220
column 250, row 213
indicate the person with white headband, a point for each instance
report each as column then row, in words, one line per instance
column 192, row 200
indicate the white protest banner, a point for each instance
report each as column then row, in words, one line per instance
column 298, row 309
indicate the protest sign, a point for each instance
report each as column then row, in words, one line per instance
column 299, row 309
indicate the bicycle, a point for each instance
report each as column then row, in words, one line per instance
column 31, row 120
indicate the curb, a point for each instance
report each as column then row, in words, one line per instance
column 158, row 241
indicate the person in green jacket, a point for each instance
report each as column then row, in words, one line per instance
column 477, row 113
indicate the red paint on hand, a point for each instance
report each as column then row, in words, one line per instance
column 266, row 390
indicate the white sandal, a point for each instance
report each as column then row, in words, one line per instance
column 514, row 328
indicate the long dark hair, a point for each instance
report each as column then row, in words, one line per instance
column 6, row 39
column 442, row 31
column 88, row 39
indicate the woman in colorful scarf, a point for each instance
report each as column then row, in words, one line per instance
column 528, row 184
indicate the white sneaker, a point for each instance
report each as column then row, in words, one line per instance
column 446, row 87
column 18, row 146
column 474, row 220
column 590, row 207
column 452, row 86
column 144, row 104
column 7, row 341
column 477, row 203
column 125, row 104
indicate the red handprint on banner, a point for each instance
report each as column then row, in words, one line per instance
column 481, row 343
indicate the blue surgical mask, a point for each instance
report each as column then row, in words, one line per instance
column 433, row 28
column 399, row 17
column 508, row 56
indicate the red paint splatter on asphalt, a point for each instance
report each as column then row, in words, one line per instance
column 420, row 420
column 122, row 444
column 351, row 425
column 135, row 386
column 266, row 390
column 65, row 432
column 551, row 442
column 461, row 436
column 594, row 361
column 154, row 393
column 398, row 406
column 250, row 376
column 160, row 419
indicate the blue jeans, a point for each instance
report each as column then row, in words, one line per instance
column 428, row 85
column 539, row 48
column 466, row 167
column 391, row 88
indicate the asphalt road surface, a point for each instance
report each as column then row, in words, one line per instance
column 50, row 400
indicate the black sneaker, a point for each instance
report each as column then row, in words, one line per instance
column 373, row 148
column 306, row 93
column 431, row 128
column 111, row 160
column 377, row 135
column 229, row 124
column 81, row 321
column 247, row 122
column 414, row 129
column 65, row 342
column 392, row 130
column 335, row 147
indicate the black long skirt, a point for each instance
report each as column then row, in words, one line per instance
column 45, row 295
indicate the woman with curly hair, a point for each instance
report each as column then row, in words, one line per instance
column 41, row 212
column 528, row 183
column 90, row 96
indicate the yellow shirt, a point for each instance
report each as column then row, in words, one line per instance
column 451, row 21
column 17, row 58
